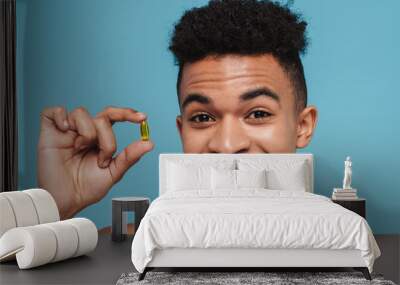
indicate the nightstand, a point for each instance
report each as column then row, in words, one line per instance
column 120, row 207
column 355, row 205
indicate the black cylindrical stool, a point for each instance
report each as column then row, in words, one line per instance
column 120, row 206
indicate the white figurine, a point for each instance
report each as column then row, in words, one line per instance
column 347, row 173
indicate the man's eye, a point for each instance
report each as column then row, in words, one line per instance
column 201, row 118
column 259, row 114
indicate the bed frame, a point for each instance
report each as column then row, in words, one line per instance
column 248, row 259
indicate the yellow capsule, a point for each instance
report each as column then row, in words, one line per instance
column 144, row 131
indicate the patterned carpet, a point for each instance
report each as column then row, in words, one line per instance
column 225, row 278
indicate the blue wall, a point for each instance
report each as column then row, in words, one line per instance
column 95, row 53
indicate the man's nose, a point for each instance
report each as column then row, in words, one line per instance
column 229, row 137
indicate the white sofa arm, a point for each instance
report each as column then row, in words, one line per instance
column 26, row 208
column 40, row 244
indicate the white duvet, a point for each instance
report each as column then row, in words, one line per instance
column 250, row 218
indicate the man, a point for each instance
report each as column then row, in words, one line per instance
column 240, row 86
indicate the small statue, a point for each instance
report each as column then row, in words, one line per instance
column 347, row 173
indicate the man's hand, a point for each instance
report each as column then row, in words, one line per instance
column 75, row 155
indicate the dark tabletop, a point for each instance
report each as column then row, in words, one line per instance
column 102, row 266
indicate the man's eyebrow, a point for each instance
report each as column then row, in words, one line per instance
column 195, row 97
column 259, row 92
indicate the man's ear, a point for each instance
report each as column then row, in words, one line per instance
column 179, row 125
column 307, row 121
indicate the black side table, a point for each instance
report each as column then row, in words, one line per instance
column 355, row 205
column 120, row 207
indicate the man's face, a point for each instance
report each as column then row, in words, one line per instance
column 241, row 104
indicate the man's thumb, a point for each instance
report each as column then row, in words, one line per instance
column 129, row 156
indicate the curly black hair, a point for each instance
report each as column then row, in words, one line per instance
column 243, row 27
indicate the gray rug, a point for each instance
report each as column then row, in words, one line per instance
column 228, row 278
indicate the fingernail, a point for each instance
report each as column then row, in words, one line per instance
column 65, row 123
column 150, row 144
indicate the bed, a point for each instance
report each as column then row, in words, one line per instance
column 245, row 211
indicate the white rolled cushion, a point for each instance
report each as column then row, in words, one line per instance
column 223, row 179
column 45, row 205
column 23, row 208
column 7, row 218
column 181, row 177
column 40, row 244
column 251, row 178
column 87, row 235
column 67, row 239
column 33, row 246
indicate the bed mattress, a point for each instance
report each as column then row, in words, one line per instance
column 251, row 219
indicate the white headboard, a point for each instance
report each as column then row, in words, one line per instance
column 165, row 157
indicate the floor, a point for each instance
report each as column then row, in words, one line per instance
column 110, row 260
column 389, row 262
column 102, row 266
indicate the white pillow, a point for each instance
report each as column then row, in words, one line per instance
column 223, row 179
column 235, row 179
column 288, row 179
column 181, row 178
column 251, row 178
column 284, row 174
column 219, row 163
